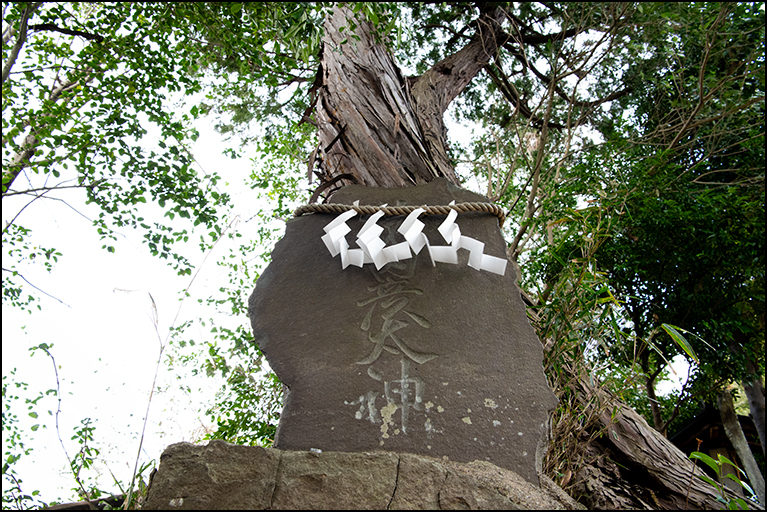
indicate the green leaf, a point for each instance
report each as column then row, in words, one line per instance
column 724, row 460
column 680, row 340
column 738, row 504
column 708, row 480
column 735, row 479
column 707, row 460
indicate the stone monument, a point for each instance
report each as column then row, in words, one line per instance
column 431, row 358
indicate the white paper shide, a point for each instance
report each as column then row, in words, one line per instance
column 373, row 250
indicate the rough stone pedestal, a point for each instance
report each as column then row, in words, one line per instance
column 223, row 476
column 438, row 361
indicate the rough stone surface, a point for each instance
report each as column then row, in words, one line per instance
column 365, row 481
column 224, row 476
column 438, row 361
column 208, row 477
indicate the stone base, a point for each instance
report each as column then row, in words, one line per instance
column 225, row 476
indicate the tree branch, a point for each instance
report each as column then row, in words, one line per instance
column 545, row 38
column 16, row 273
column 329, row 183
column 8, row 33
column 533, row 37
column 21, row 159
column 48, row 189
column 701, row 74
column 52, row 27
column 28, row 10
column 457, row 34
column 512, row 96
column 439, row 86
column 450, row 76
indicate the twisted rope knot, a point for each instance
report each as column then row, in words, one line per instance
column 403, row 210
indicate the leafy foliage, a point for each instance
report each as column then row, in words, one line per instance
column 75, row 111
column 716, row 465
column 689, row 249
column 16, row 444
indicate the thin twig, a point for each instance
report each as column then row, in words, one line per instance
column 16, row 272
column 155, row 321
column 85, row 493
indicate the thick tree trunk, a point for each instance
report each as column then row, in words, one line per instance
column 738, row 440
column 373, row 129
column 368, row 127
column 379, row 129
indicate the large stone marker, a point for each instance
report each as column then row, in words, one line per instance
column 433, row 360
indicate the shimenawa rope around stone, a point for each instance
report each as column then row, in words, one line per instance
column 403, row 210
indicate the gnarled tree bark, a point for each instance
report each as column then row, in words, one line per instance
column 634, row 465
column 372, row 124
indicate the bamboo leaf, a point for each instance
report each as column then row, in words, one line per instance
column 680, row 340
column 706, row 460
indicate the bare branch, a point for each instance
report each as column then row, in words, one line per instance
column 534, row 37
column 457, row 34
column 57, row 67
column 512, row 96
column 511, row 46
column 16, row 273
column 48, row 189
column 701, row 74
column 744, row 182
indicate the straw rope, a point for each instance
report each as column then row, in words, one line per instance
column 403, row 210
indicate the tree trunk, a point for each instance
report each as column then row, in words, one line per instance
column 380, row 129
column 752, row 385
column 755, row 394
column 373, row 127
column 650, row 377
column 738, row 440
column 634, row 465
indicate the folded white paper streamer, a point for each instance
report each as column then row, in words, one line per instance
column 374, row 250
